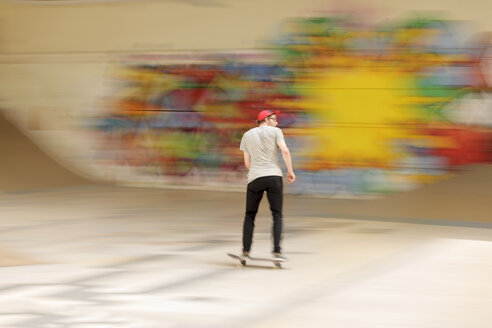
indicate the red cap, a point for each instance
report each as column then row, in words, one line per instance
column 266, row 113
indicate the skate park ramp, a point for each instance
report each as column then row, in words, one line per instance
column 24, row 166
column 465, row 197
column 461, row 199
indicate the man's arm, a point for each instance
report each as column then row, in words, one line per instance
column 246, row 159
column 291, row 177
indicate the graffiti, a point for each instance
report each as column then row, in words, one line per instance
column 365, row 109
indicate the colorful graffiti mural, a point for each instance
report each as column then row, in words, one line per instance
column 365, row 109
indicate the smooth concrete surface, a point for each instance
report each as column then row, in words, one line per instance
column 94, row 256
column 24, row 166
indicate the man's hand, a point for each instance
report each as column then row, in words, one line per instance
column 291, row 177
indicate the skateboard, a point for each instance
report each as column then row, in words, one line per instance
column 277, row 262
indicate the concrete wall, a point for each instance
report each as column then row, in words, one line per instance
column 56, row 55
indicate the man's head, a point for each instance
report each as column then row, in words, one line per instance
column 267, row 117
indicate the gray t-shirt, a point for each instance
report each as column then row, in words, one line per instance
column 261, row 144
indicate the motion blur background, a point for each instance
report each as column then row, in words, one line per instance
column 375, row 98
column 122, row 184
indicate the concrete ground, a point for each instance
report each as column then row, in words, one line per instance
column 96, row 256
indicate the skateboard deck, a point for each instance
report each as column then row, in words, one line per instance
column 276, row 262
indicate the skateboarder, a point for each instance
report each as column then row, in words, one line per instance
column 260, row 147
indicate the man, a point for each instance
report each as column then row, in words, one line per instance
column 260, row 147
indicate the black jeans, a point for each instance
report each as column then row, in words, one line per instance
column 274, row 188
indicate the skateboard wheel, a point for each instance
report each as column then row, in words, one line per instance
column 243, row 262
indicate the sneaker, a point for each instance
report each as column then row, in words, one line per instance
column 278, row 256
column 245, row 256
